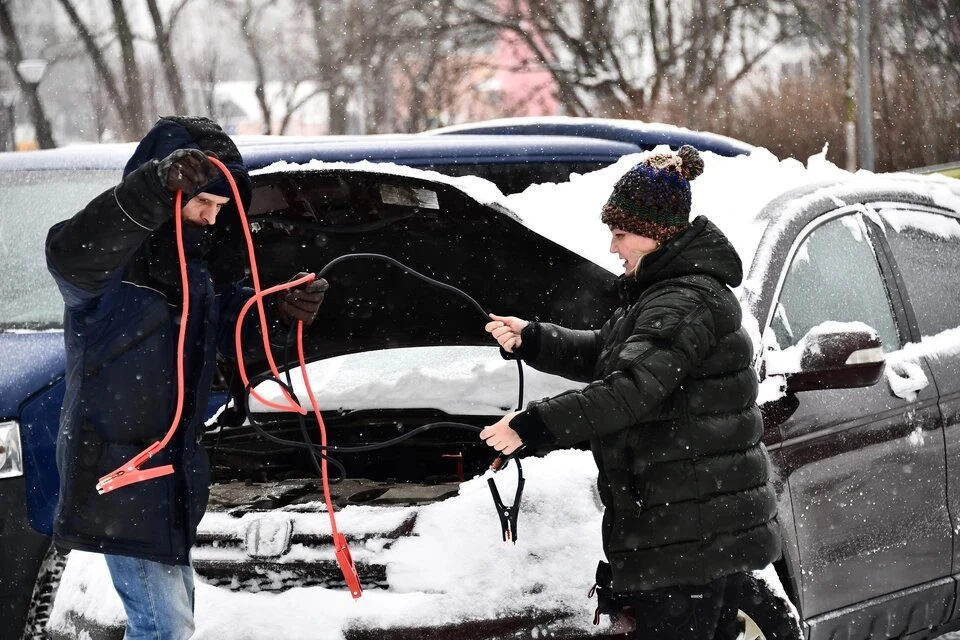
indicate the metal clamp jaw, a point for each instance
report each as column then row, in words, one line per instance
column 131, row 473
column 508, row 515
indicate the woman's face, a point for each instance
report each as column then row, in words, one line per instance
column 631, row 248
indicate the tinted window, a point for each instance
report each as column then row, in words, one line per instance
column 30, row 202
column 834, row 276
column 926, row 247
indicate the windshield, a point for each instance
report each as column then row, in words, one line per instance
column 30, row 203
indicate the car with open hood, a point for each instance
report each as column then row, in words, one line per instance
column 42, row 187
column 848, row 294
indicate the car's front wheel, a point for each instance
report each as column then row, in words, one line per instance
column 44, row 592
column 765, row 614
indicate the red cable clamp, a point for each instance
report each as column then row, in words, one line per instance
column 131, row 473
column 345, row 560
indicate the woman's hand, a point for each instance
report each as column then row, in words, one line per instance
column 506, row 331
column 500, row 436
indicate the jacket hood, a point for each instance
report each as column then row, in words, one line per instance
column 194, row 132
column 700, row 250
column 226, row 254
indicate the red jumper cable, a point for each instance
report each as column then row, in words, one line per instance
column 131, row 473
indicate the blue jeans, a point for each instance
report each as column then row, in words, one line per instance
column 157, row 597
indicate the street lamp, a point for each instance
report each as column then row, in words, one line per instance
column 32, row 70
column 8, row 123
column 31, row 73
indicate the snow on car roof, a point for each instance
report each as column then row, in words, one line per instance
column 481, row 190
column 732, row 191
column 602, row 127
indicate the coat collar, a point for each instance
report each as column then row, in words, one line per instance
column 701, row 249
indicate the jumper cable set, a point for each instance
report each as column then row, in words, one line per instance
column 131, row 472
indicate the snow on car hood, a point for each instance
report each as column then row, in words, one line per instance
column 453, row 568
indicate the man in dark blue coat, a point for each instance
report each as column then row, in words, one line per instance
column 117, row 266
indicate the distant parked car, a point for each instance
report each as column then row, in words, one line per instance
column 849, row 290
column 950, row 169
column 645, row 135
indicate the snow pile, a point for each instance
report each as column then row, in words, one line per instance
column 479, row 189
column 460, row 380
column 731, row 191
column 453, row 568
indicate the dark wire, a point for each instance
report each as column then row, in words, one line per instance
column 303, row 423
column 259, row 428
column 319, row 448
column 316, row 450
column 436, row 283
column 403, row 267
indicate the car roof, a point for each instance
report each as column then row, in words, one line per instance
column 645, row 135
column 406, row 149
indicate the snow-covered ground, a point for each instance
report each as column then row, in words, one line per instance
column 455, row 566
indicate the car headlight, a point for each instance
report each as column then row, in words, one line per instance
column 11, row 459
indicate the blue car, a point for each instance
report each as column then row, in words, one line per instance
column 644, row 135
column 39, row 188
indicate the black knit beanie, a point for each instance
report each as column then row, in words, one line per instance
column 653, row 198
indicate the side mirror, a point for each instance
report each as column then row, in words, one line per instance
column 834, row 356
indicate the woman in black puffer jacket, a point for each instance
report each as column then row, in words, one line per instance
column 670, row 410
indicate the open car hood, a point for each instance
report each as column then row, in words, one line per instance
column 303, row 219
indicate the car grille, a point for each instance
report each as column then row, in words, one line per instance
column 278, row 577
column 276, row 537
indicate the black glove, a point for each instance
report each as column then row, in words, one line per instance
column 186, row 170
column 302, row 303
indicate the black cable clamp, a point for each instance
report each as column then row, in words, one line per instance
column 508, row 515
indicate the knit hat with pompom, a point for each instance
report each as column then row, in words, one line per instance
column 653, row 198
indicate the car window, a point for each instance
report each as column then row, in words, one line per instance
column 30, row 202
column 926, row 247
column 834, row 275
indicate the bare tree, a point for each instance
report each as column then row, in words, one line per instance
column 162, row 30
column 387, row 52
column 133, row 81
column 206, row 68
column 98, row 100
column 629, row 59
column 14, row 55
column 129, row 105
column 281, row 62
column 336, row 41
column 249, row 15
column 437, row 71
column 915, row 80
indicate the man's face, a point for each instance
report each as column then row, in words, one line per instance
column 202, row 209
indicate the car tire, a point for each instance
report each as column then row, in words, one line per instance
column 44, row 592
column 765, row 613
